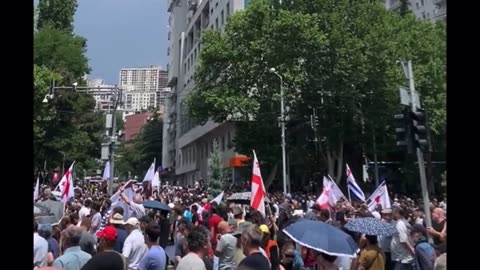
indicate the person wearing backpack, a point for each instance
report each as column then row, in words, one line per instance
column 424, row 252
column 108, row 258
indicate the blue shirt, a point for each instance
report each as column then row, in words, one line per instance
column 72, row 259
column 154, row 259
column 121, row 236
column 53, row 247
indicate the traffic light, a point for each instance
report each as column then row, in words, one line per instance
column 403, row 129
column 420, row 130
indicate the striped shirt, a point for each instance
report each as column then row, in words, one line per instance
column 105, row 220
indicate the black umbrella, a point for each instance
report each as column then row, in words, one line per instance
column 156, row 205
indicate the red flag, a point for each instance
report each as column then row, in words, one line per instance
column 257, row 200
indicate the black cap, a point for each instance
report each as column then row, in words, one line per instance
column 145, row 219
column 419, row 228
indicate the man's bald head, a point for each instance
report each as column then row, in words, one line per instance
column 223, row 227
column 438, row 214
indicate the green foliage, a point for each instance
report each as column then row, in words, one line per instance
column 61, row 52
column 66, row 126
column 338, row 56
column 216, row 177
column 137, row 156
column 57, row 13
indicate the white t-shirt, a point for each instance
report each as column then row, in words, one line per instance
column 399, row 252
column 40, row 250
column 134, row 249
column 138, row 209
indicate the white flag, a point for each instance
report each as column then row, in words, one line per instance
column 117, row 200
column 65, row 186
column 156, row 180
column 218, row 199
column 36, row 192
column 380, row 197
column 106, row 171
column 150, row 173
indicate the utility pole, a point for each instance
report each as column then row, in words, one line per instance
column 116, row 94
column 282, row 125
column 408, row 69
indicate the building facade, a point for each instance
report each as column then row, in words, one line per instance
column 143, row 88
column 103, row 102
column 134, row 124
column 435, row 10
column 187, row 145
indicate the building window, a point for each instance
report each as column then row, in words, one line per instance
column 223, row 143
column 422, row 2
column 222, row 16
column 228, row 9
column 418, row 5
column 229, row 139
column 193, row 154
column 423, row 15
column 211, row 11
column 216, row 24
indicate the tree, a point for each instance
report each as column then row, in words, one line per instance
column 137, row 156
column 337, row 56
column 66, row 126
column 57, row 13
column 216, row 178
column 61, row 52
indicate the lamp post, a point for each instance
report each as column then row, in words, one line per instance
column 116, row 94
column 282, row 124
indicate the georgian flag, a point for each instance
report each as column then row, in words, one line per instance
column 379, row 197
column 257, row 200
column 65, row 186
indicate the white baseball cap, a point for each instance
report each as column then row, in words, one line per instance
column 132, row 222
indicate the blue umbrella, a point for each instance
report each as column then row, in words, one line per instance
column 322, row 237
column 370, row 226
column 156, row 205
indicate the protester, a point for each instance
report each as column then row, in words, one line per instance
column 198, row 243
column 401, row 246
column 87, row 240
column 108, row 259
column 134, row 247
column 251, row 241
column 155, row 258
column 40, row 248
column 73, row 257
column 226, row 246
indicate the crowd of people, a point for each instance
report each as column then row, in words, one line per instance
column 196, row 233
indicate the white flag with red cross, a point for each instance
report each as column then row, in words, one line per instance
column 65, row 186
column 257, row 200
column 380, row 197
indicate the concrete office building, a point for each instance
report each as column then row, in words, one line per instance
column 435, row 10
column 186, row 145
column 143, row 88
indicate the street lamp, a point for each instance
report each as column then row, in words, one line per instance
column 282, row 122
column 116, row 94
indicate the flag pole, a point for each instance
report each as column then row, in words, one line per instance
column 349, row 197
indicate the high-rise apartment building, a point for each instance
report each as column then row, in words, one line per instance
column 435, row 10
column 187, row 145
column 143, row 88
